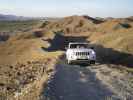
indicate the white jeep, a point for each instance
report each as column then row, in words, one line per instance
column 80, row 52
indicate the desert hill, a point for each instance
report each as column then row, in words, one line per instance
column 23, row 52
column 115, row 33
column 72, row 24
column 78, row 24
column 94, row 27
column 24, row 65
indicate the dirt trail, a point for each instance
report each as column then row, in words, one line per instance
column 95, row 82
column 73, row 82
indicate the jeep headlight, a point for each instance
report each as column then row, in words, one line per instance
column 73, row 57
column 92, row 52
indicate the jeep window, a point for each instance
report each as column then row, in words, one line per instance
column 74, row 46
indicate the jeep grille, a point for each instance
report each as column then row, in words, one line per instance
column 82, row 53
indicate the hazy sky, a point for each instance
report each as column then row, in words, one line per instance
column 59, row 8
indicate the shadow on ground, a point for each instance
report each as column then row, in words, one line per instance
column 110, row 56
column 75, row 83
column 104, row 55
column 60, row 42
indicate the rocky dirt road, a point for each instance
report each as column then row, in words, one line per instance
column 96, row 82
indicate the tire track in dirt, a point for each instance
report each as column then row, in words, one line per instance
column 74, row 82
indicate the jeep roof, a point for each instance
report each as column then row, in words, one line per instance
column 75, row 44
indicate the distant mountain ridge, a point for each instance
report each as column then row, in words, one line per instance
column 4, row 17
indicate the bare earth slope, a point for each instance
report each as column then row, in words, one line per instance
column 30, row 58
column 24, row 67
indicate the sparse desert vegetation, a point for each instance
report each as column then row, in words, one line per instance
column 8, row 26
column 23, row 64
column 24, row 60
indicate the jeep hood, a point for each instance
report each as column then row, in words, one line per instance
column 80, row 50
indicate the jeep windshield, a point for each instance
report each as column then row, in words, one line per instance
column 77, row 46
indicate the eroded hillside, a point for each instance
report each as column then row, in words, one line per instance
column 28, row 57
column 24, row 65
column 115, row 33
